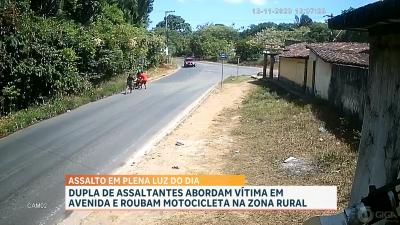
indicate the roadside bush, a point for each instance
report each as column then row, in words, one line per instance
column 40, row 61
column 42, row 58
column 249, row 49
column 156, row 44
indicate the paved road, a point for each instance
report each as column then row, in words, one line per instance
column 95, row 138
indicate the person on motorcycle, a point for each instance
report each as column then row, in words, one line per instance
column 137, row 80
column 142, row 80
column 129, row 84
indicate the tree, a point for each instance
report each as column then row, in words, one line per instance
column 206, row 46
column 319, row 32
column 69, row 8
column 136, row 11
column 176, row 23
column 144, row 8
column 253, row 29
column 221, row 31
column 86, row 10
column 178, row 43
column 274, row 39
column 82, row 11
column 178, row 34
column 46, row 7
column 286, row 26
column 304, row 20
column 249, row 49
column 211, row 40
column 43, row 57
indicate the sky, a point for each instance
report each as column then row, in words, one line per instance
column 243, row 13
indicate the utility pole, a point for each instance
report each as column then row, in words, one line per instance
column 237, row 68
column 166, row 33
column 222, row 75
column 222, row 57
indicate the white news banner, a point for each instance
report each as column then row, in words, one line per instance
column 201, row 198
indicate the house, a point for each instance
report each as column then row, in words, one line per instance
column 379, row 151
column 293, row 65
column 334, row 71
column 337, row 72
column 324, row 57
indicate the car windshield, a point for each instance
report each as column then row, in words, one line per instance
column 189, row 60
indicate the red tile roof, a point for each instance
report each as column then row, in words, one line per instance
column 342, row 53
column 298, row 50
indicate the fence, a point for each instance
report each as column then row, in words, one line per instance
column 347, row 89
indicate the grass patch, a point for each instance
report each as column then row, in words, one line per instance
column 236, row 79
column 24, row 118
column 274, row 126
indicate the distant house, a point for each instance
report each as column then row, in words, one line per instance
column 322, row 58
column 333, row 71
column 293, row 65
column 337, row 72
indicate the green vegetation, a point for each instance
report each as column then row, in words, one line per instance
column 179, row 33
column 58, row 55
column 274, row 39
column 208, row 40
column 50, row 49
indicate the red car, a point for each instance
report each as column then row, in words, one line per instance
column 189, row 62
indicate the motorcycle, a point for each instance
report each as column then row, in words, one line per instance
column 380, row 204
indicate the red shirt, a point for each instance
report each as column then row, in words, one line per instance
column 143, row 76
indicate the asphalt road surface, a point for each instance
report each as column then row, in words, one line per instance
column 95, row 138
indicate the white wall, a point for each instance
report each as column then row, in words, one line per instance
column 323, row 72
column 292, row 69
column 311, row 58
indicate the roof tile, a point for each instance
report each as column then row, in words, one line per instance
column 342, row 52
column 298, row 50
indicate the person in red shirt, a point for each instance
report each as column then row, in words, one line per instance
column 143, row 79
